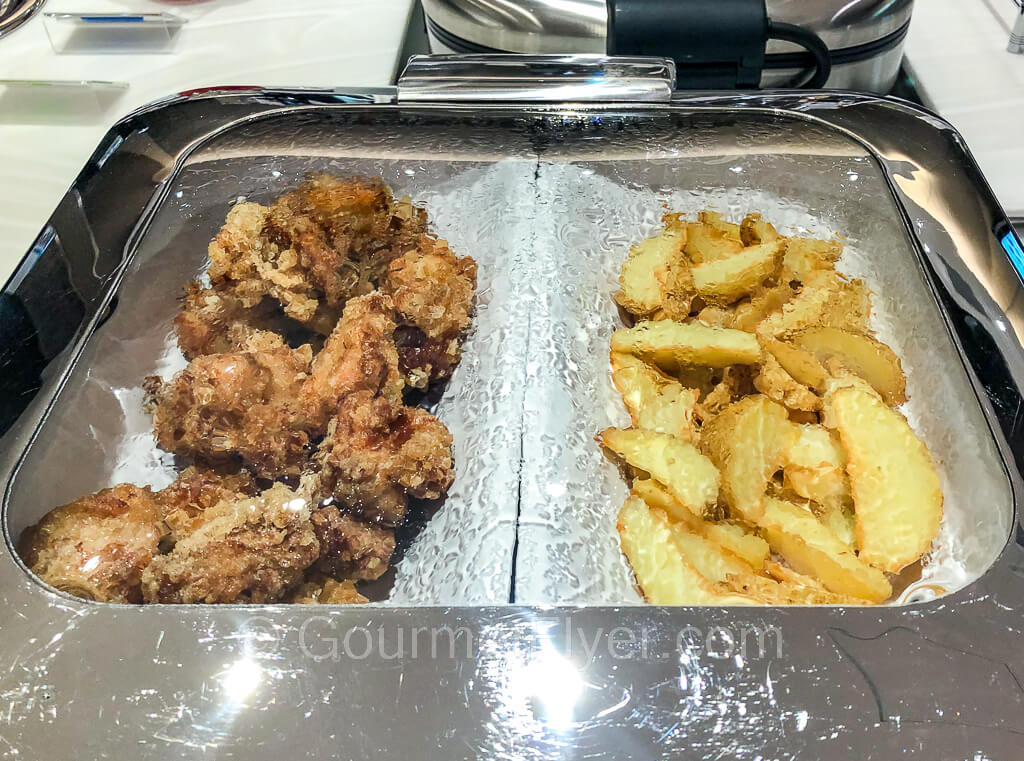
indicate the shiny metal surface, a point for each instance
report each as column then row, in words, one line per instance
column 1016, row 44
column 578, row 26
column 574, row 78
column 936, row 681
column 14, row 13
column 876, row 74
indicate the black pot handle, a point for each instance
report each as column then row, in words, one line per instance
column 716, row 44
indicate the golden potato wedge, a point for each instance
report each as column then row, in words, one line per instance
column 664, row 575
column 723, row 281
column 810, row 548
column 671, row 345
column 801, row 364
column 677, row 289
column 763, row 302
column 747, row 546
column 716, row 316
column 827, row 298
column 746, row 441
column 797, row 589
column 863, row 355
column 714, row 219
column 839, row 520
column 806, row 590
column 621, row 360
column 802, row 256
column 655, row 402
column 688, row 475
column 897, row 494
column 640, row 289
column 754, row 230
column 774, row 382
column 712, row 561
column 814, row 466
column 705, row 243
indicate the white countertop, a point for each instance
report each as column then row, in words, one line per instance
column 956, row 51
column 46, row 137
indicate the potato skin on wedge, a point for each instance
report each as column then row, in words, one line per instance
column 814, row 465
column 724, row 281
column 827, row 298
column 671, row 345
column 749, row 547
column 689, row 476
column 773, row 381
column 708, row 243
column 746, row 441
column 656, row 402
column 863, row 355
column 640, row 286
column 665, row 576
column 897, row 493
column 811, row 549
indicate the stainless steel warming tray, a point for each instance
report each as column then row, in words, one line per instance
column 555, row 187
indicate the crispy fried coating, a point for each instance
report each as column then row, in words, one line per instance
column 359, row 355
column 322, row 590
column 97, row 546
column 377, row 452
column 433, row 292
column 184, row 503
column 319, row 245
column 349, row 548
column 212, row 322
column 249, row 550
column 242, row 404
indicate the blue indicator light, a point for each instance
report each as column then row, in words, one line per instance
column 112, row 19
column 1012, row 247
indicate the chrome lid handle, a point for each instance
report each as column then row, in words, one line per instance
column 536, row 78
column 1017, row 35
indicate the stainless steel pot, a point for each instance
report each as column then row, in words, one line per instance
column 865, row 36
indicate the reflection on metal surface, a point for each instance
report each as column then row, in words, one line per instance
column 573, row 78
column 1016, row 44
column 865, row 36
column 14, row 13
column 241, row 679
column 551, row 683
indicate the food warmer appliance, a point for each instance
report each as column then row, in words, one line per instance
column 536, row 653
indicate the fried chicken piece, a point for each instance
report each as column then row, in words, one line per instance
column 377, row 452
column 359, row 355
column 319, row 245
column 433, row 292
column 184, row 503
column 249, row 550
column 326, row 591
column 212, row 322
column 351, row 549
column 97, row 546
column 242, row 404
